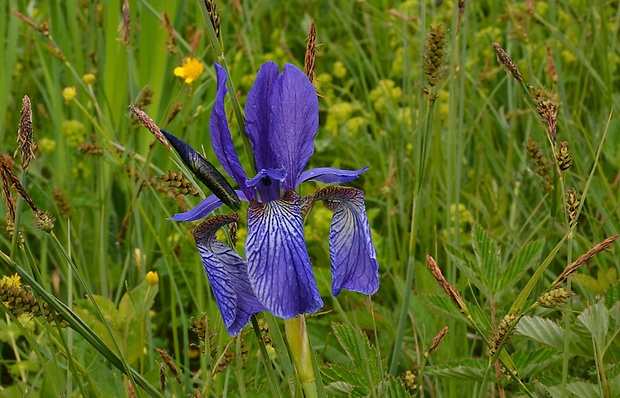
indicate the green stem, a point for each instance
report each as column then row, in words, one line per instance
column 297, row 336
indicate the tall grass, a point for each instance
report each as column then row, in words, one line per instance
column 449, row 176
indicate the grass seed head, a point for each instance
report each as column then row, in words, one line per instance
column 434, row 54
column 506, row 63
column 25, row 139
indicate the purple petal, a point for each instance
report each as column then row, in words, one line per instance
column 330, row 175
column 220, row 134
column 257, row 116
column 278, row 263
column 227, row 274
column 268, row 183
column 294, row 111
column 206, row 206
column 353, row 257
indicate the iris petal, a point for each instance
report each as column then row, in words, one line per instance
column 330, row 175
column 268, row 183
column 220, row 134
column 206, row 206
column 294, row 116
column 353, row 257
column 227, row 274
column 278, row 263
column 257, row 116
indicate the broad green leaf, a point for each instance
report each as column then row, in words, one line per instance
column 612, row 295
column 542, row 330
column 488, row 256
column 532, row 363
column 469, row 268
column 549, row 333
column 366, row 370
column 519, row 265
column 446, row 305
column 391, row 388
column 579, row 389
column 597, row 285
column 595, row 318
column 466, row 369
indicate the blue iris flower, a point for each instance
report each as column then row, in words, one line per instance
column 282, row 118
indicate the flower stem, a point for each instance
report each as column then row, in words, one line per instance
column 297, row 337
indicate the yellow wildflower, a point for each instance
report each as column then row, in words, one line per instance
column 152, row 278
column 11, row 281
column 340, row 70
column 89, row 78
column 190, row 70
column 69, row 94
column 74, row 132
column 47, row 145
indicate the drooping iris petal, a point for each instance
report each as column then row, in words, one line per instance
column 353, row 257
column 204, row 171
column 227, row 274
column 294, row 116
column 220, row 134
column 268, row 183
column 278, row 263
column 257, row 116
column 329, row 175
column 202, row 209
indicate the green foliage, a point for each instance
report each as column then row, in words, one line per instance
column 449, row 175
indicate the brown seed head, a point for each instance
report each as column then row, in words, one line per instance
column 214, row 15
column 572, row 205
column 149, row 124
column 24, row 134
column 452, row 293
column 571, row 268
column 124, row 29
column 434, row 54
column 436, row 341
column 506, row 63
column 310, row 55
column 171, row 43
column 562, row 157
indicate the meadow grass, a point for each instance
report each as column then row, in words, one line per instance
column 453, row 174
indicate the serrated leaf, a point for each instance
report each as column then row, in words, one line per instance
column 391, row 388
column 532, row 363
column 612, row 295
column 596, row 320
column 443, row 303
column 549, row 333
column 579, row 389
column 339, row 389
column 363, row 356
column 468, row 267
column 488, row 256
column 466, row 369
column 521, row 262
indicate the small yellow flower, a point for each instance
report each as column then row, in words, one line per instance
column 11, row 281
column 69, row 94
column 190, row 70
column 89, row 78
column 339, row 70
column 152, row 278
column 47, row 145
